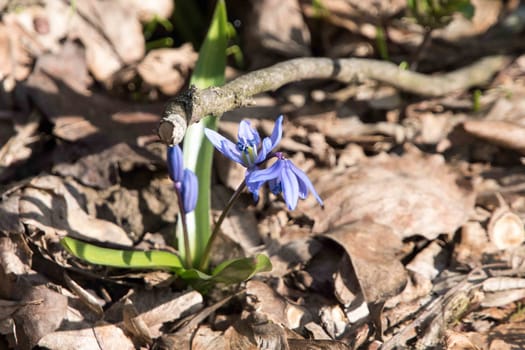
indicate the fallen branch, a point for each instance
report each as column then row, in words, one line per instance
column 193, row 104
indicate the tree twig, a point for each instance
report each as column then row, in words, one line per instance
column 194, row 104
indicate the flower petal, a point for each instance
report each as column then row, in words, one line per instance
column 273, row 172
column 253, row 186
column 223, row 145
column 247, row 135
column 290, row 187
column 304, row 184
column 190, row 191
column 175, row 165
column 265, row 150
column 277, row 132
column 269, row 143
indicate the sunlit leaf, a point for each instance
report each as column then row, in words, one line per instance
column 154, row 259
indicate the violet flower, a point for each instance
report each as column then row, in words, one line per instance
column 185, row 181
column 249, row 151
column 284, row 177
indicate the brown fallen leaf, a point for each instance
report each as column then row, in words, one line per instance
column 48, row 204
column 506, row 336
column 274, row 307
column 9, row 215
column 101, row 170
column 277, row 28
column 412, row 194
column 372, row 249
column 205, row 338
column 168, row 69
column 106, row 336
column 36, row 320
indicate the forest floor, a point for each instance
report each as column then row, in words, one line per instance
column 420, row 241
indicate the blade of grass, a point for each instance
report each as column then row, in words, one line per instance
column 198, row 151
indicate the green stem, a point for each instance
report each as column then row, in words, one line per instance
column 182, row 218
column 206, row 256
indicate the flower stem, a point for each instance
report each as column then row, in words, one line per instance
column 182, row 217
column 207, row 252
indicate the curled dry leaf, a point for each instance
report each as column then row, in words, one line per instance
column 372, row 249
column 412, row 194
column 274, row 307
column 48, row 204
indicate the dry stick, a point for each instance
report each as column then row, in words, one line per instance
column 194, row 104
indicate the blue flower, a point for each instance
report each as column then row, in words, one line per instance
column 284, row 177
column 248, row 151
column 185, row 181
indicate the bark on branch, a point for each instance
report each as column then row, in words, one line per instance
column 192, row 105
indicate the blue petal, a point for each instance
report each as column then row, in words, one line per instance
column 253, row 186
column 277, row 132
column 304, row 183
column 273, row 172
column 275, row 186
column 290, row 187
column 269, row 143
column 247, row 135
column 175, row 166
column 190, row 191
column 223, row 145
column 265, row 150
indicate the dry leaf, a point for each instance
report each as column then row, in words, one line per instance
column 412, row 194
column 274, row 307
column 168, row 69
column 205, row 338
column 107, row 337
column 36, row 320
column 431, row 261
column 473, row 243
column 372, row 249
column 48, row 204
column 9, row 215
column 277, row 28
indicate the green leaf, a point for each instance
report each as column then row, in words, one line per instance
column 136, row 259
column 229, row 272
column 198, row 151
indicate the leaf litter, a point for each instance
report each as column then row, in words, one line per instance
column 420, row 243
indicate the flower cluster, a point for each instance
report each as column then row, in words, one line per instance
column 249, row 151
column 184, row 180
